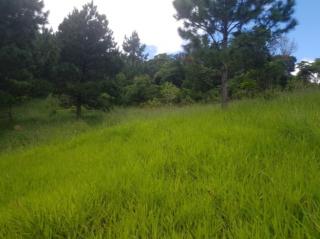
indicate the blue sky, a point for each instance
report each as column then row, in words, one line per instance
column 160, row 30
column 307, row 33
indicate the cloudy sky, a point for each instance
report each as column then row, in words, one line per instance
column 153, row 19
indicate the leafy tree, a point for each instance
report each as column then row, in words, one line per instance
column 214, row 23
column 172, row 71
column 134, row 49
column 135, row 54
column 45, row 60
column 20, row 21
column 87, row 57
column 141, row 90
column 169, row 93
column 249, row 51
column 200, row 80
column 154, row 65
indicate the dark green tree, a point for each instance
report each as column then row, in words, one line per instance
column 45, row 60
column 214, row 23
column 172, row 71
column 87, row 57
column 134, row 49
column 20, row 21
column 141, row 90
column 154, row 65
column 135, row 56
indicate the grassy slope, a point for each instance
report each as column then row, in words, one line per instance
column 250, row 172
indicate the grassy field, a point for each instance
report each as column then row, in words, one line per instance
column 252, row 171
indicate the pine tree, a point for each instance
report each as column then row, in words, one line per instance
column 214, row 22
column 20, row 21
column 87, row 48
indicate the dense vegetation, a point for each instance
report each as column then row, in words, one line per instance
column 236, row 50
column 190, row 172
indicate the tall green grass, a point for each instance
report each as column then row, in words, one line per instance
column 252, row 171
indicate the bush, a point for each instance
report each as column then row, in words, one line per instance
column 185, row 97
column 244, row 86
column 154, row 103
column 140, row 91
column 169, row 93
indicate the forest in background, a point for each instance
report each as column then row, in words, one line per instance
column 233, row 50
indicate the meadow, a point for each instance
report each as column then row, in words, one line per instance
column 251, row 171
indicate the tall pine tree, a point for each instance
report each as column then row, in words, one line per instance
column 215, row 22
column 20, row 21
column 87, row 48
column 134, row 55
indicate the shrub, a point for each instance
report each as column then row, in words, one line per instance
column 141, row 90
column 169, row 93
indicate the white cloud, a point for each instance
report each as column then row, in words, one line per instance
column 153, row 19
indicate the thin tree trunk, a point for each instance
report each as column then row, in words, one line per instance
column 224, row 88
column 225, row 70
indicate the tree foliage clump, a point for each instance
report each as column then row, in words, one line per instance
column 20, row 21
column 87, row 49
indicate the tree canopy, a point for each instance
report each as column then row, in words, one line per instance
column 20, row 21
column 214, row 23
column 86, row 51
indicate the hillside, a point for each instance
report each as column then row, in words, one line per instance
column 252, row 171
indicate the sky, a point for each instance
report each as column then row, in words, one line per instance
column 307, row 33
column 154, row 21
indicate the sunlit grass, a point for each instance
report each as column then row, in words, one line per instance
column 252, row 171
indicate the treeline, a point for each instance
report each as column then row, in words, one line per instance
column 234, row 49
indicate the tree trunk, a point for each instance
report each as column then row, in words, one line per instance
column 78, row 106
column 224, row 88
column 225, row 72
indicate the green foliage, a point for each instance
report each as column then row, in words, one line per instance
column 169, row 93
column 212, row 25
column 134, row 49
column 15, row 75
column 245, row 86
column 200, row 79
column 249, row 50
column 154, row 65
column 141, row 90
column 172, row 72
column 45, row 59
column 134, row 55
column 190, row 172
column 20, row 21
column 87, row 52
